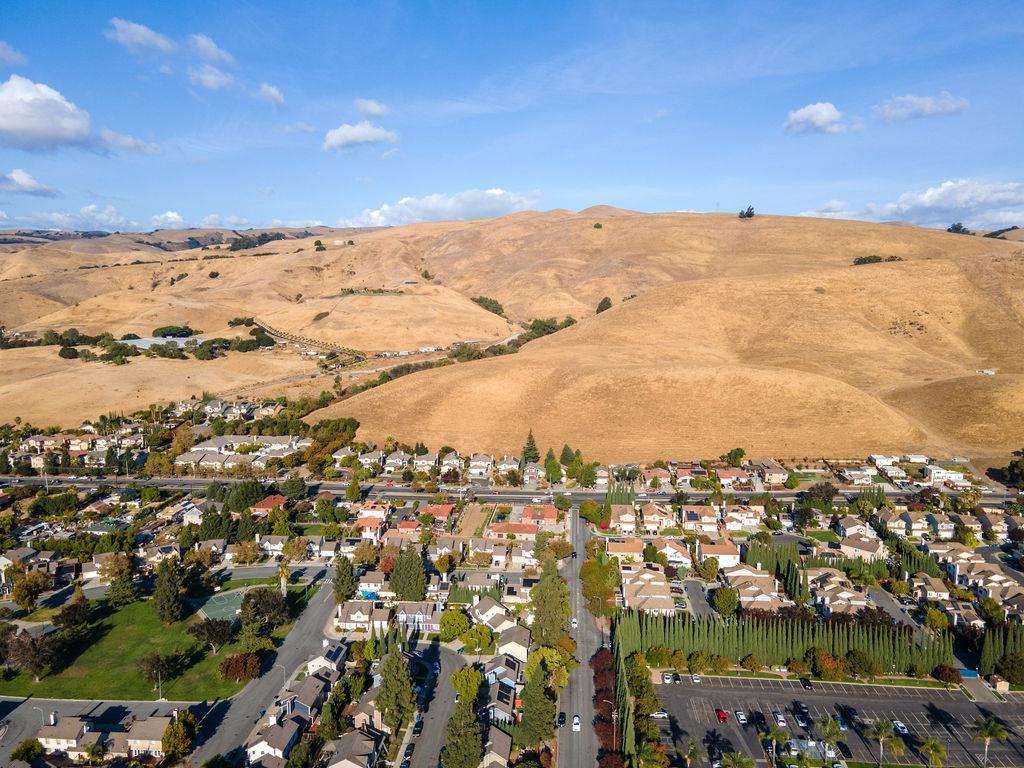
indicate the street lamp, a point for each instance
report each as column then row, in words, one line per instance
column 615, row 716
column 42, row 715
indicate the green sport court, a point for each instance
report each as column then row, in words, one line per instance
column 223, row 605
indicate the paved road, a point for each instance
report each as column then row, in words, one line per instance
column 398, row 491
column 579, row 750
column 927, row 712
column 889, row 604
column 228, row 726
column 697, row 599
column 991, row 555
column 439, row 705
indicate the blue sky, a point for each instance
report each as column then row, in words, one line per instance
column 138, row 115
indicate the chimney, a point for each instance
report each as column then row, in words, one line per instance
column 326, row 643
column 271, row 720
column 53, row 718
column 174, row 713
column 476, row 599
column 759, row 566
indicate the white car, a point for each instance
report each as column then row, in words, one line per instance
column 694, row 678
column 900, row 728
column 537, row 500
column 666, row 677
column 741, row 717
column 661, row 714
column 780, row 719
column 576, row 723
column 574, row 622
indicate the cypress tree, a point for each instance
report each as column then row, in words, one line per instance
column 530, row 452
column 167, row 593
column 395, row 698
column 538, row 722
column 464, row 745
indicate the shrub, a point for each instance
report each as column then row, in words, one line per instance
column 604, row 304
column 68, row 353
column 240, row 667
column 214, row 275
column 948, row 675
column 598, row 225
column 491, row 305
column 747, row 213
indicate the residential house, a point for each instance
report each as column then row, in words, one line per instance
column 928, row 588
column 366, row 716
column 657, row 518
column 269, row 504
column 645, row 588
column 306, row 696
column 727, row 553
column 962, row 614
column 144, row 738
column 504, row 669
column 332, row 656
column 863, row 547
column 533, row 473
column 396, row 463
column 994, row 526
column 676, row 551
column 857, row 475
column 730, row 476
column 942, row 525
column 970, row 522
column 937, row 475
column 67, row 735
column 833, row 592
column 497, row 749
column 629, row 550
column 916, row 524
column 508, row 464
column 514, row 642
column 424, row 462
column 355, row 749
column 853, row 526
column 700, row 518
column 372, row 459
column 540, row 514
column 742, row 518
column 623, row 518
column 770, row 471
column 656, row 477
column 955, row 557
column 272, row 546
column 480, row 465
column 501, row 703
column 419, row 617
column 275, row 739
column 526, row 531
column 756, row 588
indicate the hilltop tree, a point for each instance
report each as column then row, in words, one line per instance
column 167, row 593
column 345, row 581
column 747, row 213
column 530, row 452
column 958, row 229
column 603, row 305
column 395, row 699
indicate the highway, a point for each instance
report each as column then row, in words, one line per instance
column 579, row 750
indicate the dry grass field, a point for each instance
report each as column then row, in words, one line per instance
column 723, row 332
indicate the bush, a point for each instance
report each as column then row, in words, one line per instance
column 29, row 750
column 240, row 667
column 214, row 275
column 68, row 353
column 598, row 225
column 747, row 213
column 958, row 229
column 604, row 304
column 751, row 663
column 948, row 675
column 491, row 305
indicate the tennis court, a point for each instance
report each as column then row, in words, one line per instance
column 222, row 605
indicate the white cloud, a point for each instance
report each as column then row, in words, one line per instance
column 271, row 93
column 123, row 142
column 89, row 217
column 210, row 77
column 347, row 135
column 833, row 209
column 21, row 182
column 11, row 56
column 977, row 204
column 370, row 107
column 236, row 221
column 34, row 116
column 296, row 223
column 299, row 127
column 168, row 219
column 208, row 50
column 390, row 153
column 821, row 117
column 910, row 107
column 3, row 216
column 213, row 220
column 469, row 204
column 137, row 37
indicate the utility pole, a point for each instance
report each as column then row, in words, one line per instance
column 615, row 717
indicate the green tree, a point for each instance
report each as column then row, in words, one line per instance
column 828, row 730
column 409, row 579
column 294, row 488
column 987, row 731
column 179, row 735
column 603, row 305
column 463, row 747
column 167, row 593
column 736, row 760
column 29, row 751
column 725, row 601
column 775, row 735
column 880, row 731
column 530, row 452
column 467, row 682
column 934, row 749
column 538, row 720
column 691, row 753
column 454, row 623
column 734, row 457
column 345, row 581
column 213, row 632
column 550, row 601
column 395, row 698
column 353, row 493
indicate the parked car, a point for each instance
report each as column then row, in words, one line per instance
column 741, row 717
column 561, row 719
column 694, row 678
column 661, row 714
column 576, row 723
column 900, row 728
column 806, row 684
column 417, row 729
column 722, row 715
column 841, row 722
column 574, row 622
column 800, row 720
column 666, row 677
column 409, row 749
column 780, row 719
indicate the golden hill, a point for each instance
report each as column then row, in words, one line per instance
column 737, row 332
column 763, row 336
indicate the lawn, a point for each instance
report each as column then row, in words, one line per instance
column 108, row 667
column 829, row 537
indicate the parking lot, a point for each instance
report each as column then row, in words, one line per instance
column 927, row 712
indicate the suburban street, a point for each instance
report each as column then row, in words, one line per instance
column 439, row 705
column 928, row 712
column 229, row 722
column 579, row 750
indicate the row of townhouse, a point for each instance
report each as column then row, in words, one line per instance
column 645, row 588
column 231, row 410
column 652, row 519
column 74, row 737
column 833, row 592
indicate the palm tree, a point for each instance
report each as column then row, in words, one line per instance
column 986, row 730
column 803, row 761
column 829, row 730
column 934, row 749
column 881, row 731
column 93, row 753
column 775, row 734
column 736, row 760
column 691, row 753
column 898, row 748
